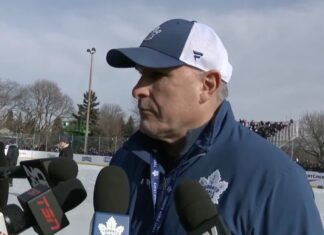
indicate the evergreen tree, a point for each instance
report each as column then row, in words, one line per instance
column 57, row 127
column 81, row 116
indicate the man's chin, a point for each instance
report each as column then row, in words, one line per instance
column 149, row 131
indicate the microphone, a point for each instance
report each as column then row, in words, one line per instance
column 110, row 200
column 46, row 171
column 43, row 208
column 70, row 194
column 4, row 185
column 197, row 213
column 12, row 172
column 62, row 169
column 3, row 227
column 12, row 215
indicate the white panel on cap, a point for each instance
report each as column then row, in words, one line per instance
column 205, row 50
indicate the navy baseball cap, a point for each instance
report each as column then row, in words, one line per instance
column 174, row 43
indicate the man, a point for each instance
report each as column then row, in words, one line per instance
column 188, row 131
column 65, row 147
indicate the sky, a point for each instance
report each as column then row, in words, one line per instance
column 276, row 48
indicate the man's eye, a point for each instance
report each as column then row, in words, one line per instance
column 158, row 74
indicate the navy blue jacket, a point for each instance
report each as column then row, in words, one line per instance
column 260, row 190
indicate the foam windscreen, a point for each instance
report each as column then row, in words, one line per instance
column 193, row 204
column 111, row 192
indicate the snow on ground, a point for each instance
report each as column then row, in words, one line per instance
column 80, row 216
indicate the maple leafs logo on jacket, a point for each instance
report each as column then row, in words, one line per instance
column 214, row 185
column 111, row 228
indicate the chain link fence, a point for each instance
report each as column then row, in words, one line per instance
column 97, row 145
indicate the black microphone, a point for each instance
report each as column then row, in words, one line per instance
column 62, row 169
column 3, row 227
column 12, row 172
column 196, row 211
column 4, row 184
column 46, row 171
column 43, row 208
column 110, row 200
column 13, row 215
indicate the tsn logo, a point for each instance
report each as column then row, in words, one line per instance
column 48, row 214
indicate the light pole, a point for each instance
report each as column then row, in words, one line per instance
column 85, row 150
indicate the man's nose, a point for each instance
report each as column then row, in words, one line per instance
column 141, row 89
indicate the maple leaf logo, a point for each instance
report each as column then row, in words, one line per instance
column 111, row 228
column 152, row 34
column 214, row 185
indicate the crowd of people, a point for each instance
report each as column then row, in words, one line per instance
column 318, row 167
column 265, row 129
column 95, row 151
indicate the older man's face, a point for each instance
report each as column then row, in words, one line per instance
column 168, row 101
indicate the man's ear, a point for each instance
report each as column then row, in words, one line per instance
column 211, row 83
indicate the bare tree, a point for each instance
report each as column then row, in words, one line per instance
column 43, row 102
column 311, row 139
column 110, row 121
column 135, row 113
column 10, row 95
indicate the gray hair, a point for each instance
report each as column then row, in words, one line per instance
column 223, row 92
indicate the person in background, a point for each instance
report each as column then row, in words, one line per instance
column 65, row 147
column 187, row 130
column 12, row 158
column 4, row 183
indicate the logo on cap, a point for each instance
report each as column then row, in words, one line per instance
column 197, row 55
column 152, row 34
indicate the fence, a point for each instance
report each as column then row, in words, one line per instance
column 97, row 145
column 286, row 135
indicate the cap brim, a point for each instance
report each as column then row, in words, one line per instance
column 146, row 57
